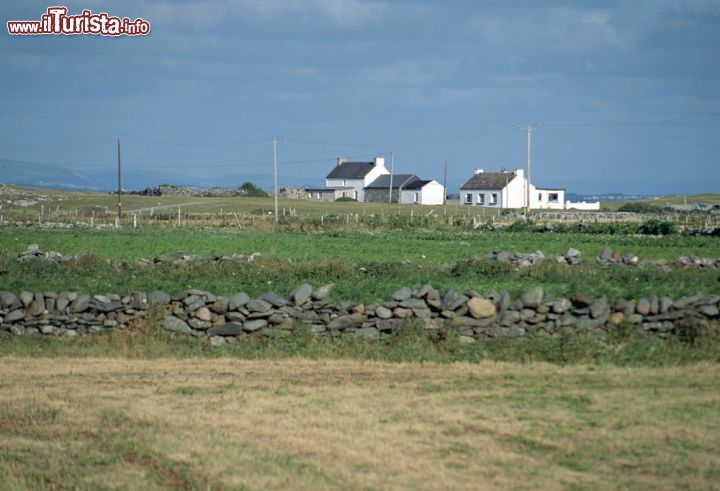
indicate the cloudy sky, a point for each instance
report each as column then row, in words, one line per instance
column 626, row 92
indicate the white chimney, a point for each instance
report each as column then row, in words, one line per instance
column 479, row 171
column 341, row 160
column 379, row 161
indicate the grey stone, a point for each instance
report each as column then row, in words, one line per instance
column 48, row 329
column 37, row 307
column 590, row 323
column 368, row 333
column 192, row 299
column 80, row 304
column 323, row 292
column 254, row 325
column 14, row 316
column 413, row 303
column 220, row 306
column 533, row 297
column 422, row 312
column 238, row 300
column 580, row 299
column 686, row 301
column 459, row 303
column 217, row 341
column 258, row 305
column 198, row 324
column 606, row 254
column 172, row 323
column 643, row 306
column 158, row 298
column 466, row 339
column 654, row 304
column 17, row 330
column 509, row 317
column 227, row 329
column 572, row 252
column 425, row 290
column 383, row 312
column 402, row 294
column 26, row 298
column 203, row 314
column 7, row 299
column 195, row 305
column 301, row 294
column 598, row 308
column 561, row 305
column 709, row 310
column 274, row 299
column 341, row 322
column 503, row 302
column 665, row 304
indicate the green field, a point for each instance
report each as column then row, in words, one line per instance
column 364, row 266
column 141, row 408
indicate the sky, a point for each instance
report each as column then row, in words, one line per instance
column 626, row 93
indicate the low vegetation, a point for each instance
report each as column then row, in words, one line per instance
column 143, row 408
column 103, row 423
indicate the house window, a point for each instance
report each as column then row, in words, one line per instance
column 468, row 198
column 416, row 197
column 539, row 196
column 480, row 199
column 493, row 199
column 553, row 197
column 318, row 196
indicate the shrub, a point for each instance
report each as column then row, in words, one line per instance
column 657, row 227
column 250, row 190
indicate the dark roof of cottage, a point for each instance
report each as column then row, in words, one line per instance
column 489, row 180
column 351, row 170
column 329, row 190
column 398, row 180
column 417, row 184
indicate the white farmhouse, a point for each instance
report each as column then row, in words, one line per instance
column 507, row 189
column 350, row 179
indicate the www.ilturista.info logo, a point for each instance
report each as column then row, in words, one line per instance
column 57, row 21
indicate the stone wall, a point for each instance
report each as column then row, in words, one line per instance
column 223, row 319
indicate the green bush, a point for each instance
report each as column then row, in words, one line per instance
column 657, row 227
column 250, row 190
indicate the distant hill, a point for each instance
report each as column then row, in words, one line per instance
column 67, row 177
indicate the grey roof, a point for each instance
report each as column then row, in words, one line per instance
column 489, row 180
column 398, row 180
column 417, row 184
column 351, row 170
column 328, row 190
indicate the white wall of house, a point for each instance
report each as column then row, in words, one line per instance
column 431, row 193
column 547, row 199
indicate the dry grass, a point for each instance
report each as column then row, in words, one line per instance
column 85, row 423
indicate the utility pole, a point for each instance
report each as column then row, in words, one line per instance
column 275, row 174
column 529, row 129
column 392, row 166
column 445, row 185
column 119, row 168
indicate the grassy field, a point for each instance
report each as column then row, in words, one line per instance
column 108, row 423
column 365, row 267
column 144, row 409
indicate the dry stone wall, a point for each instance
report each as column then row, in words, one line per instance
column 475, row 316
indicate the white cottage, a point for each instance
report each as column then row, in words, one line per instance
column 351, row 178
column 507, row 189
